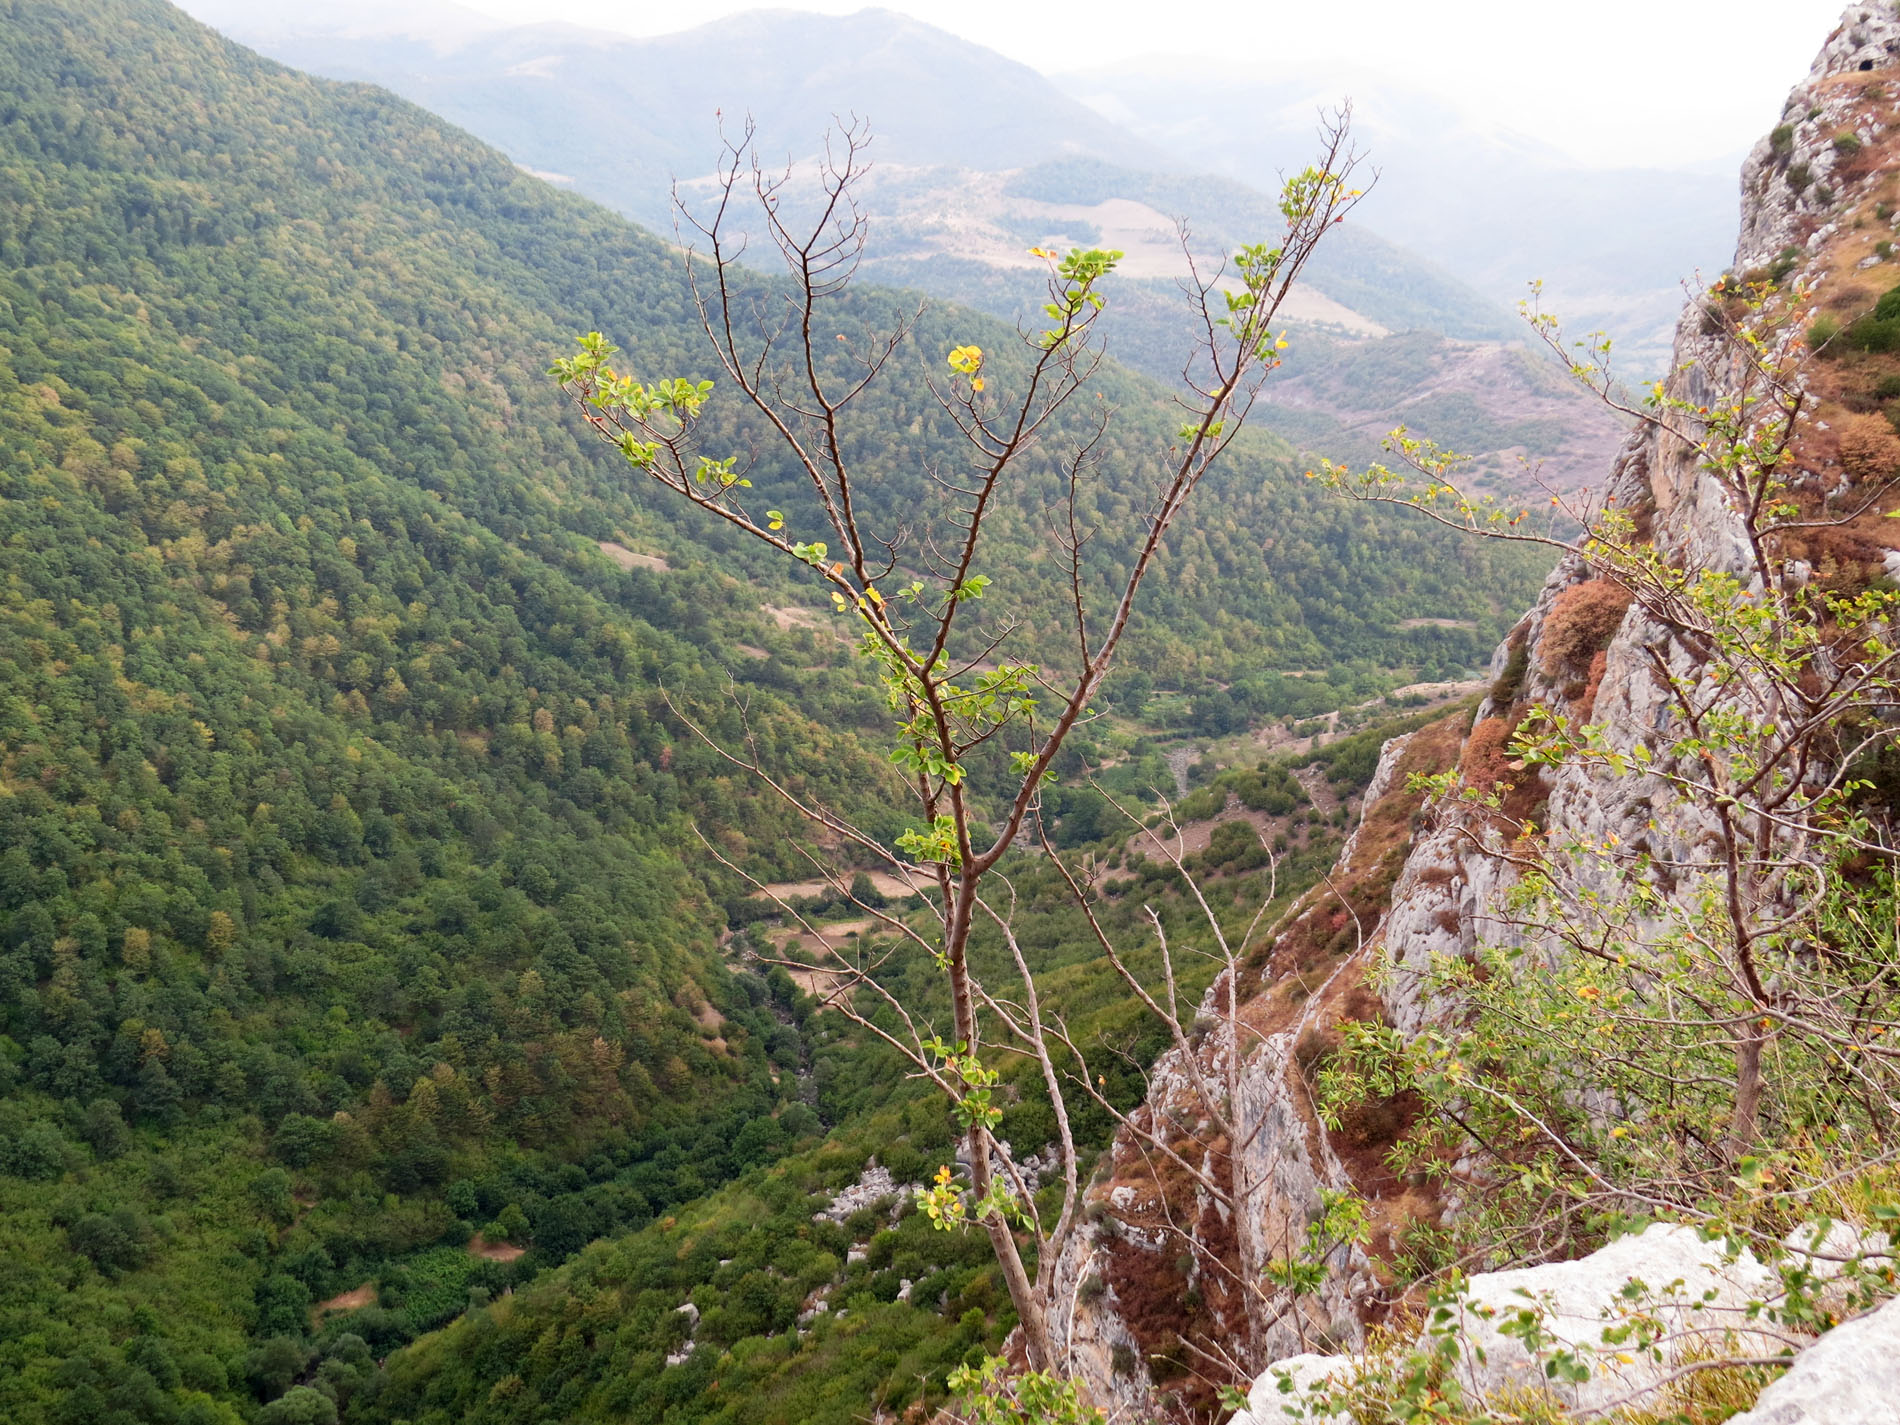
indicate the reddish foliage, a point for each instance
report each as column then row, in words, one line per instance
column 1485, row 762
column 1581, row 622
column 1593, row 680
column 1869, row 447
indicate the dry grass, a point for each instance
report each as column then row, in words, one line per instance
column 479, row 1246
column 352, row 1300
column 627, row 559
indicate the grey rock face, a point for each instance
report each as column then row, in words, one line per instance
column 1291, row 1164
column 1448, row 896
column 1440, row 902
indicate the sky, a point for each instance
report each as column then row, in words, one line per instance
column 1646, row 83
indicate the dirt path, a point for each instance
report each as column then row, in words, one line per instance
column 1318, row 790
column 886, row 884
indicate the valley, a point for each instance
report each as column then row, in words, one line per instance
column 352, row 907
column 1039, row 891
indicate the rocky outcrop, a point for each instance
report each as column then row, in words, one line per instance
column 1151, row 1308
column 1159, row 1235
column 1807, row 193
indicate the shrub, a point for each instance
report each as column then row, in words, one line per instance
column 1784, row 263
column 1869, row 447
column 115, row 1242
column 1822, row 330
column 1879, row 330
column 1510, row 680
column 1485, row 763
column 1781, row 140
column 1799, row 176
column 303, row 1405
column 37, row 1151
column 1579, row 623
column 1847, row 144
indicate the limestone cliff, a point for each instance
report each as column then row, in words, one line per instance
column 1812, row 209
column 1819, row 197
column 1157, row 1317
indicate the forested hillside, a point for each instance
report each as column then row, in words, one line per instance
column 349, row 896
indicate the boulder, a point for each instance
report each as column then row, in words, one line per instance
column 1666, row 1273
column 1851, row 1376
column 1279, row 1396
column 1685, row 1282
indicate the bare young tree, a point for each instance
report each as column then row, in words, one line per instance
column 915, row 590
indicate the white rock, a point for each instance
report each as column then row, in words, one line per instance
column 1584, row 1297
column 1826, row 1247
column 1851, row 1376
column 1280, row 1394
column 874, row 1184
column 1687, row 1283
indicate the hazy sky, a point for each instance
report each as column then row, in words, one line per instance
column 1612, row 81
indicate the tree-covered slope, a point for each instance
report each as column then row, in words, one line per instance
column 349, row 890
column 343, row 826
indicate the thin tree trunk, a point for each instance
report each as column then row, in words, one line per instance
column 1745, row 1124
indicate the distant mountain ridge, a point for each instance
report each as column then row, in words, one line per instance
column 644, row 111
column 620, row 118
column 1494, row 207
column 974, row 159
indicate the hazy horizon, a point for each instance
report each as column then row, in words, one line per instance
column 1636, row 84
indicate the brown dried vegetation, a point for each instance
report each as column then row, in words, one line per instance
column 1580, row 623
